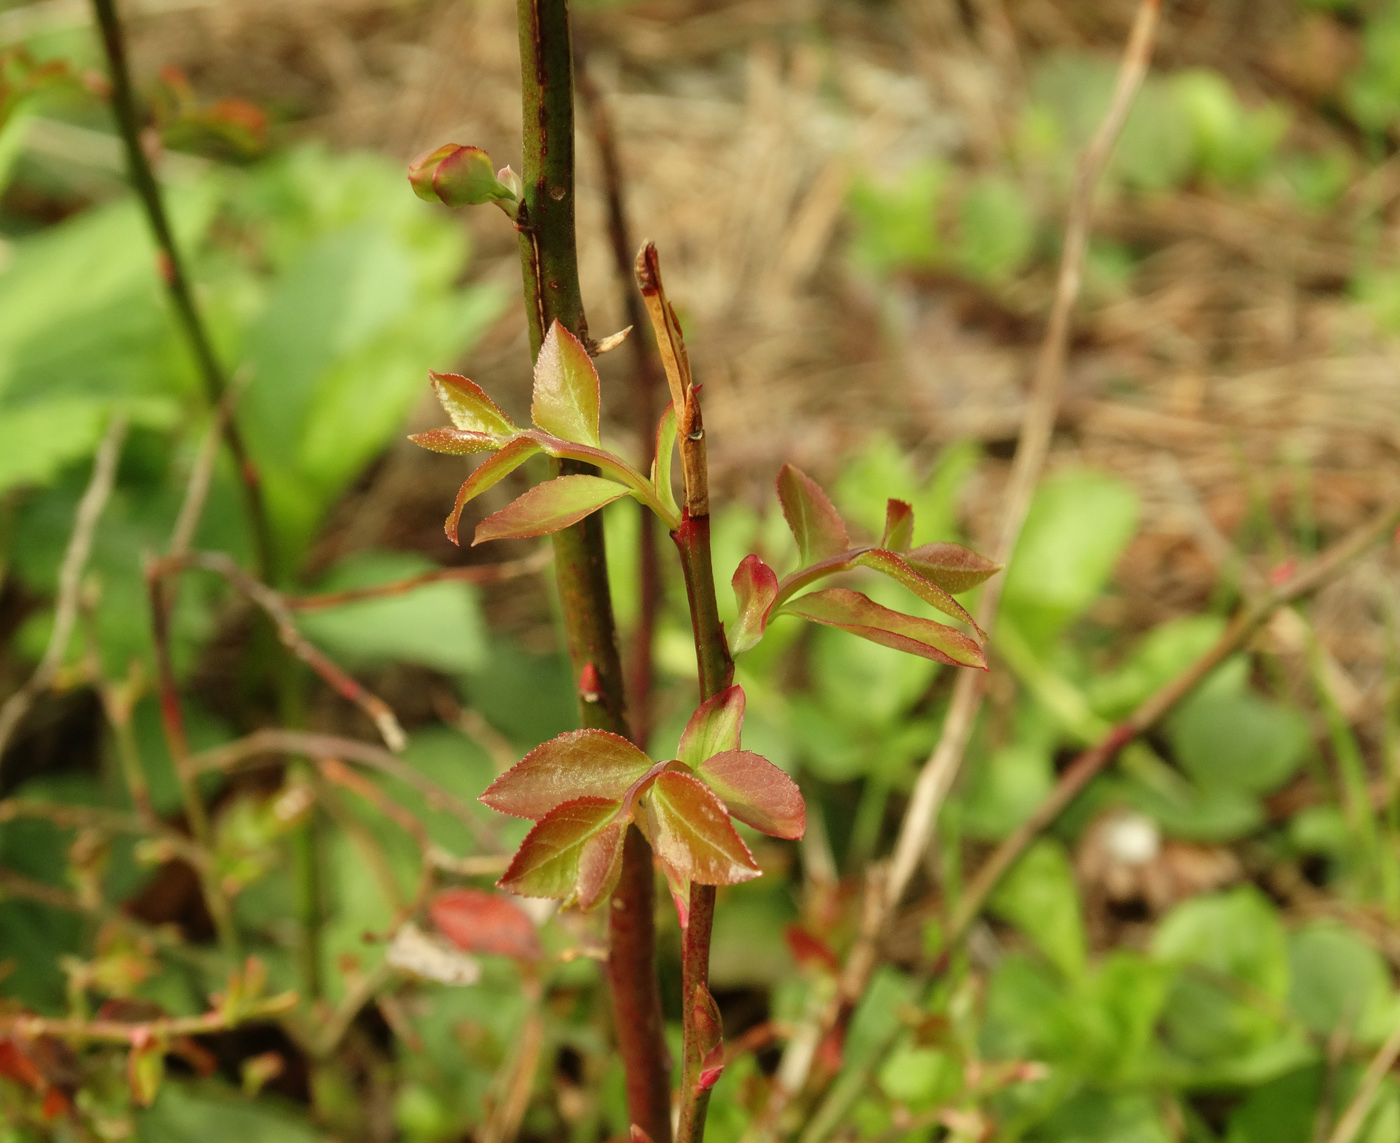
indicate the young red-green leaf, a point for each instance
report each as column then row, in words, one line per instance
column 566, row 389
column 819, row 530
column 468, row 406
column 480, row 922
column 709, row 1037
column 489, row 472
column 547, row 862
column 145, row 1068
column 600, row 866
column 457, row 176
column 578, row 764
column 548, row 507
column 899, row 526
column 455, row 442
column 756, row 792
column 860, row 615
column 661, row 465
column 713, row 728
column 951, row 566
column 755, row 587
column 898, row 569
column 690, row 831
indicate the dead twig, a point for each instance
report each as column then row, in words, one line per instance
column 936, row 778
column 1083, row 769
column 104, row 471
column 128, row 1033
column 276, row 609
column 261, row 743
column 481, row 573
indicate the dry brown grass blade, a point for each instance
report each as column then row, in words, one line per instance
column 70, row 575
column 936, row 777
column 1360, row 1106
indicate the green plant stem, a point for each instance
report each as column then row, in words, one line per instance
column 177, row 284
column 716, row 673
column 549, row 265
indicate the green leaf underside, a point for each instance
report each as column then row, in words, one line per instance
column 547, row 862
column 468, row 406
column 819, row 530
column 600, row 866
column 713, row 728
column 481, row 922
column 549, row 507
column 581, row 763
column 690, row 830
column 898, row 569
column 455, row 442
column 487, row 474
column 661, row 466
column 566, row 395
column 952, row 567
column 899, row 526
column 756, row 792
column 859, row 614
column 755, row 587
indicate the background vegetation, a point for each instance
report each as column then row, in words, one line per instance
column 861, row 205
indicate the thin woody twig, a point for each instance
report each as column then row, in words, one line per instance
column 126, row 1032
column 104, row 471
column 936, row 778
column 277, row 610
column 480, row 573
column 232, row 755
column 201, row 474
column 1360, row 1106
column 1088, row 764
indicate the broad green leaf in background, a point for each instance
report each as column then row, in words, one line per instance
column 1240, row 742
column 996, row 231
column 1337, row 981
column 1236, row 933
column 1078, row 525
column 1232, row 143
column 1100, row 1117
column 188, row 1113
column 896, row 219
column 1161, row 655
column 1283, row 1110
column 884, row 469
column 438, row 625
column 920, row 1077
column 1003, row 788
column 1040, row 898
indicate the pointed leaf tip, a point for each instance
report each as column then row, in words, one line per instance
column 548, row 861
column 714, row 727
column 756, row 792
column 859, row 614
column 580, row 763
column 899, row 526
column 488, row 473
column 549, row 507
column 952, row 567
column 689, row 828
column 816, row 525
column 755, row 588
column 468, row 406
column 567, row 392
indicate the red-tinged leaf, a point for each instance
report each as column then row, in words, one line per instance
column 547, row 862
column 898, row 569
column 710, row 1070
column 16, row 1065
column 755, row 587
column 578, row 764
column 489, row 472
column 810, row 951
column 566, row 389
column 860, row 615
column 480, row 922
column 422, row 169
column 55, row 1103
column 468, row 406
column 639, row 1136
column 661, row 465
column 600, row 866
column 756, row 792
column 819, row 530
column 899, row 526
column 549, row 507
column 713, row 728
column 690, row 831
column 951, row 566
column 455, row 442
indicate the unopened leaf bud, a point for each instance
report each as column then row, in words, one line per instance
column 458, row 176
